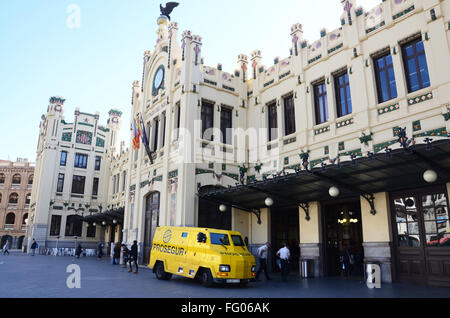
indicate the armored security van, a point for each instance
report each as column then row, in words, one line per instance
column 212, row 256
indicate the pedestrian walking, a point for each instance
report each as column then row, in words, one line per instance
column 34, row 246
column 262, row 257
column 284, row 254
column 78, row 251
column 6, row 247
column 116, row 256
column 133, row 257
column 100, row 250
column 126, row 255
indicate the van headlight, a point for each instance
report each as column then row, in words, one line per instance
column 254, row 269
column 224, row 268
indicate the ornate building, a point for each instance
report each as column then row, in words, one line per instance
column 341, row 145
column 72, row 172
column 16, row 181
column 325, row 149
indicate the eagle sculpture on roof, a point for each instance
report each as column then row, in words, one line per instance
column 168, row 9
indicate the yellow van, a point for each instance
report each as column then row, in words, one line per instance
column 212, row 256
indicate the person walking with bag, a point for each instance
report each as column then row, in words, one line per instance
column 262, row 256
column 116, row 256
column 126, row 255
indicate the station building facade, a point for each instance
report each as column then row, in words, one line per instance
column 361, row 114
column 343, row 145
column 73, row 168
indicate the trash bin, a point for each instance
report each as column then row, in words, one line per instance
column 307, row 267
column 372, row 269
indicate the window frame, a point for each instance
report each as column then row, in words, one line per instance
column 319, row 108
column 272, row 121
column 207, row 118
column 63, row 159
column 81, row 161
column 415, row 56
column 289, row 115
column 347, row 109
column 60, row 183
column 226, row 124
column 378, row 79
column 79, row 186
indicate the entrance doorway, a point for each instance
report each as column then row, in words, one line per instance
column 209, row 215
column 151, row 223
column 421, row 236
column 343, row 237
column 285, row 229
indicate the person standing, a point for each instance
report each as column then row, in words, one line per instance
column 78, row 251
column 284, row 254
column 34, row 246
column 100, row 250
column 116, row 256
column 126, row 253
column 6, row 247
column 133, row 257
column 262, row 256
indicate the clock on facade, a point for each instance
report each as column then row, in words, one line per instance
column 158, row 80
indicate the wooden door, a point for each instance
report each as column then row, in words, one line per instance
column 151, row 223
column 422, row 237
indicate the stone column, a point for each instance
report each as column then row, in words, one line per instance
column 377, row 234
column 310, row 237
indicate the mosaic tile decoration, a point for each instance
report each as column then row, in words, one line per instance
column 379, row 147
column 321, row 130
column 420, row 99
column 346, row 122
column 402, row 13
column 388, row 109
column 67, row 137
column 290, row 140
column 441, row 132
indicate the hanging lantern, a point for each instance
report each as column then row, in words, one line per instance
column 269, row 202
column 430, row 176
column 334, row 192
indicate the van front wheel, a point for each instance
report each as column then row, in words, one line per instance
column 161, row 273
column 206, row 278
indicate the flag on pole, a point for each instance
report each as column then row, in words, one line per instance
column 136, row 143
column 145, row 141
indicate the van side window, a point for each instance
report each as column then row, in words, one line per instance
column 184, row 235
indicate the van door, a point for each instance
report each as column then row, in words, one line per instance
column 195, row 256
column 182, row 248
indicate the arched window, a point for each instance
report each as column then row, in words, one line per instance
column 10, row 219
column 28, row 198
column 2, row 178
column 14, row 198
column 25, row 219
column 16, row 179
column 30, row 179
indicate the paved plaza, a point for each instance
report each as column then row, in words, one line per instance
column 24, row 276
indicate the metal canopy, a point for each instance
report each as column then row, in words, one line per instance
column 107, row 216
column 383, row 172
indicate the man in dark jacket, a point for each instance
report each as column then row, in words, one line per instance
column 133, row 257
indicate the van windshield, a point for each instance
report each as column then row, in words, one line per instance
column 237, row 240
column 220, row 239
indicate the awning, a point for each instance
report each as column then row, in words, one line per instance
column 388, row 170
column 107, row 216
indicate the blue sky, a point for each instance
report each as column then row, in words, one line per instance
column 93, row 66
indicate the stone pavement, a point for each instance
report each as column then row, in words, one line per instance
column 24, row 276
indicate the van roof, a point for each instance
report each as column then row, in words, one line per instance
column 199, row 229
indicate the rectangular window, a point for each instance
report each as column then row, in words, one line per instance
column 207, row 120
column 95, row 186
column 416, row 67
column 272, row 121
column 124, row 181
column 177, row 120
column 60, row 185
column 78, row 184
column 55, row 225
column 289, row 116
column 98, row 161
column 74, row 225
column 385, row 78
column 226, row 125
column 155, row 134
column 63, row 159
column 91, row 231
column 321, row 103
column 343, row 97
column 163, row 130
column 81, row 161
